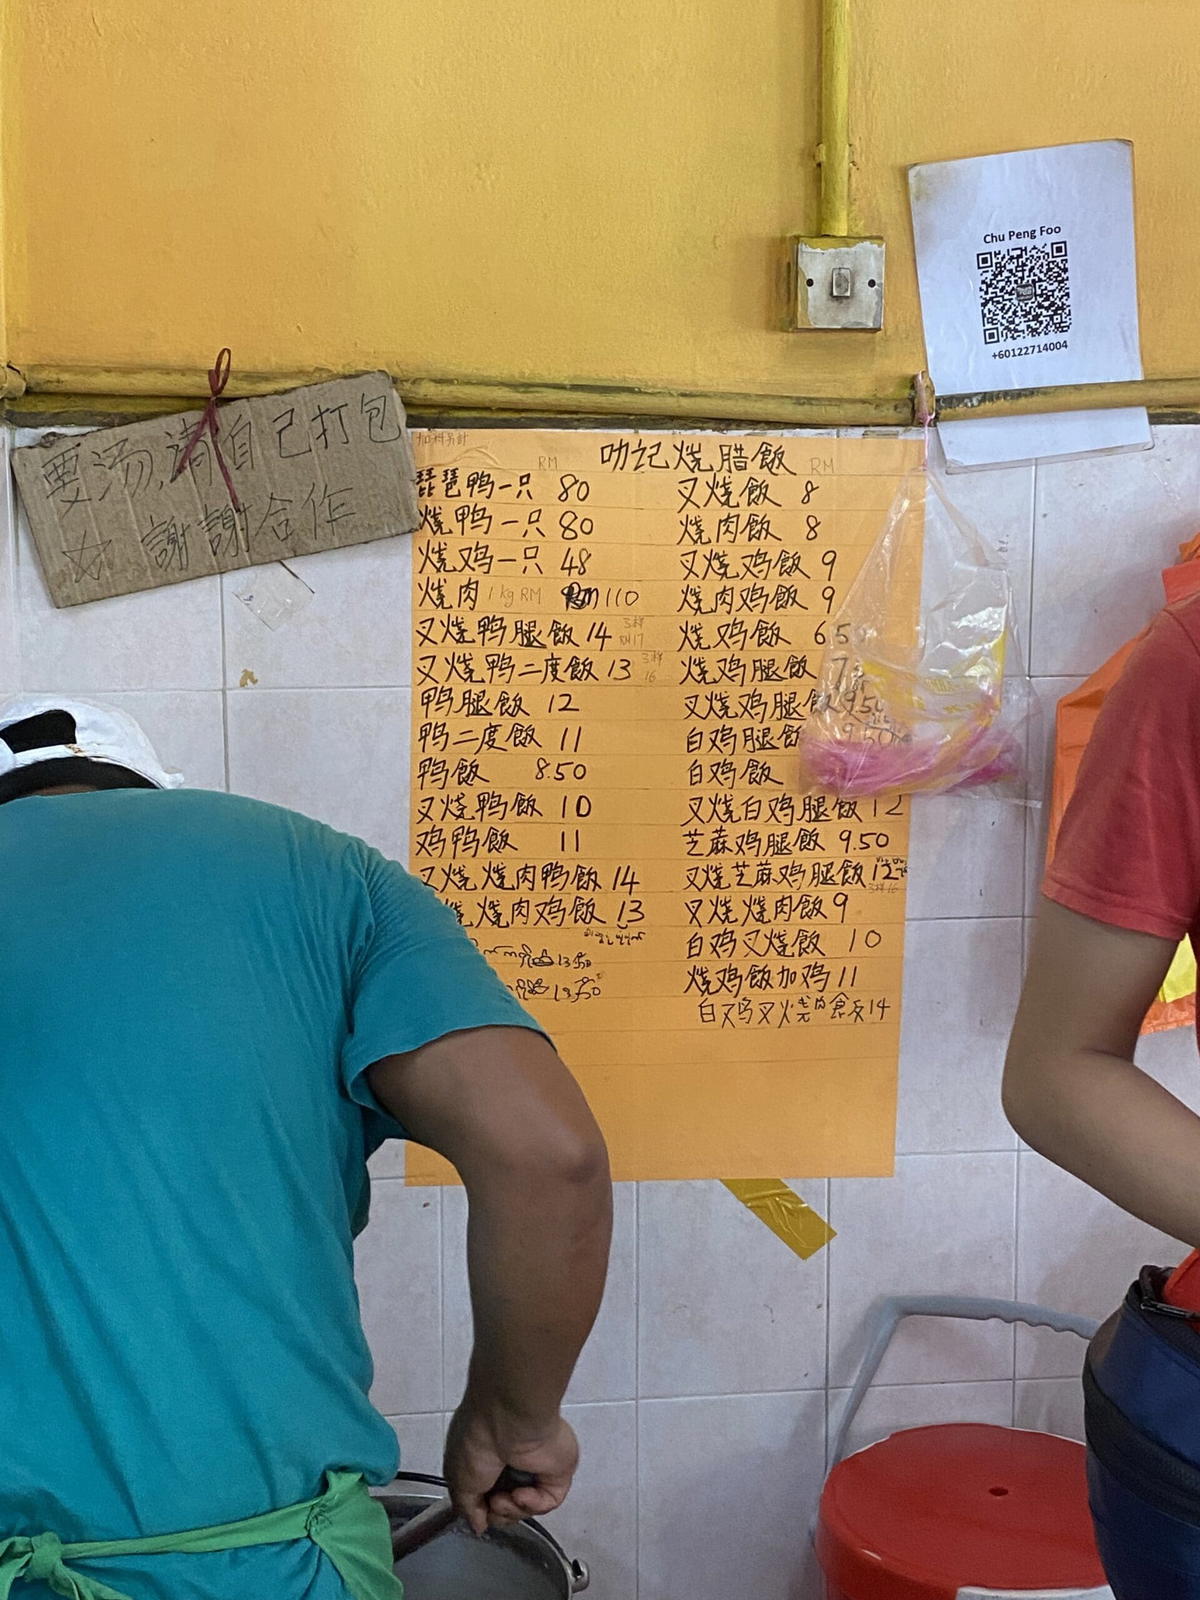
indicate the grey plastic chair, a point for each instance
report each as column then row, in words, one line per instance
column 886, row 1316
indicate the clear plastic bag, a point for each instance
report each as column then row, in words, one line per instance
column 920, row 689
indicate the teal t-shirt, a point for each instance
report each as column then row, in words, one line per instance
column 192, row 987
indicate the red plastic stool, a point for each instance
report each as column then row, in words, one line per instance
column 952, row 1511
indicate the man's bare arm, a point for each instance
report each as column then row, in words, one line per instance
column 503, row 1109
column 1071, row 1088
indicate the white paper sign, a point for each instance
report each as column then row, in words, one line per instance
column 1028, row 277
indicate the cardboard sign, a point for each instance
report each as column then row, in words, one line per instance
column 315, row 469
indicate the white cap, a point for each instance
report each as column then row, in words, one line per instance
column 101, row 734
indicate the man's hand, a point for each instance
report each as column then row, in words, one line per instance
column 477, row 1452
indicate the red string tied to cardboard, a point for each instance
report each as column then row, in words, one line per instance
column 218, row 377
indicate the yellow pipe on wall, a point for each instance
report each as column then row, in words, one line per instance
column 88, row 392
column 39, row 384
column 1156, row 394
column 835, row 119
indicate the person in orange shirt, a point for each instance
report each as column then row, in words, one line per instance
column 1122, row 891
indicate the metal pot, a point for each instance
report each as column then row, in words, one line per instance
column 520, row 1563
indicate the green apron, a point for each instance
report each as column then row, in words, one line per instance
column 345, row 1522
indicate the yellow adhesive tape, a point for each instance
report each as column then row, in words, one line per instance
column 1180, row 980
column 781, row 1209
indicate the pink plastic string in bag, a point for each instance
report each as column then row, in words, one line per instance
column 925, row 709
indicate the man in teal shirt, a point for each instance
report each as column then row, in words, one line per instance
column 212, row 1011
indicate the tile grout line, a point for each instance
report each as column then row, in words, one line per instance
column 1031, row 590
column 913, row 1383
column 986, row 916
column 815, row 1389
column 973, row 1150
column 773, row 1394
column 1016, row 1277
column 13, row 514
column 1031, row 822
column 1032, row 723
column 441, row 1303
column 828, row 1254
column 1025, row 902
column 224, row 680
column 8, row 561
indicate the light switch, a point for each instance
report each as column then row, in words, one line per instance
column 836, row 283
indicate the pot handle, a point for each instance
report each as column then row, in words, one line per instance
column 580, row 1576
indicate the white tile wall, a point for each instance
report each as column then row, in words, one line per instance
column 1049, row 692
column 422, row 1439
column 1051, row 1405
column 724, row 1306
column 888, row 1408
column 726, row 1489
column 944, row 1224
column 1077, row 1252
column 962, row 980
column 1171, row 1058
column 1104, row 527
column 608, row 1370
column 190, row 723
column 354, row 633
column 9, row 643
column 399, row 1268
column 1000, row 504
column 388, row 1160
column 965, row 857
column 703, row 1404
column 163, row 639
column 599, row 1523
column 337, row 754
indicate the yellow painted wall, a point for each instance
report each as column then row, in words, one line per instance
column 563, row 189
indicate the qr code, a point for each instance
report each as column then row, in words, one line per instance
column 1024, row 292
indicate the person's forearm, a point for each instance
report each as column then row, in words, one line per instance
column 1118, row 1130
column 537, row 1251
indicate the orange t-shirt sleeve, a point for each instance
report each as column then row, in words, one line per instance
column 1128, row 851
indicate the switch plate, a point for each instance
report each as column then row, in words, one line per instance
column 836, row 283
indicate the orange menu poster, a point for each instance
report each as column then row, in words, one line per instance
column 615, row 641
